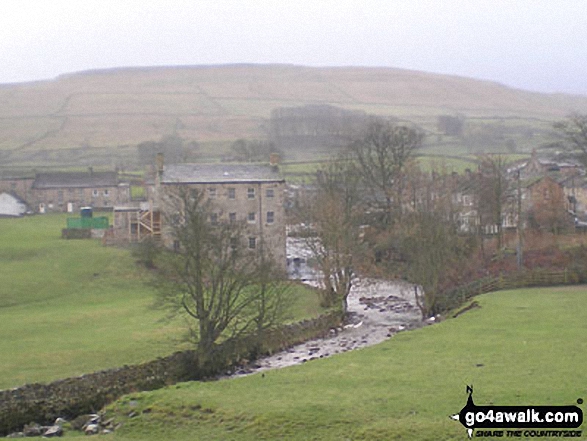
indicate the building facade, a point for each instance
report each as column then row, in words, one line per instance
column 69, row 191
column 249, row 194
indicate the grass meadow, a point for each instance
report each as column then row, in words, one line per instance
column 523, row 347
column 69, row 307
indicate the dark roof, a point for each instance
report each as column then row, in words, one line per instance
column 76, row 180
column 219, row 173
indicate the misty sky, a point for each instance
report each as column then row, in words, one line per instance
column 531, row 44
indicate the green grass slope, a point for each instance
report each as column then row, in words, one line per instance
column 521, row 347
column 69, row 307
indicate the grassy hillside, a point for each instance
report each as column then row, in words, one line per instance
column 103, row 115
column 521, row 347
column 69, row 307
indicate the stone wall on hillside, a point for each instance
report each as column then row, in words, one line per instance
column 43, row 403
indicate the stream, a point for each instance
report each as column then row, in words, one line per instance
column 378, row 309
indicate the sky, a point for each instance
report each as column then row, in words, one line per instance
column 538, row 45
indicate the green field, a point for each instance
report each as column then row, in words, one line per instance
column 69, row 307
column 523, row 347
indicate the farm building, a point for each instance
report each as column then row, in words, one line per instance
column 69, row 191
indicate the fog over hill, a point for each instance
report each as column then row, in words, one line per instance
column 120, row 108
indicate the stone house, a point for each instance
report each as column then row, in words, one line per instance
column 248, row 193
column 18, row 186
column 69, row 191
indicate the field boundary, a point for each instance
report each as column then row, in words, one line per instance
column 71, row 397
column 520, row 279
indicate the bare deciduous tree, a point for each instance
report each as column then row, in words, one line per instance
column 381, row 156
column 228, row 290
column 574, row 130
column 492, row 194
column 331, row 215
column 428, row 249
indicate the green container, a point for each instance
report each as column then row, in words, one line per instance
column 100, row 223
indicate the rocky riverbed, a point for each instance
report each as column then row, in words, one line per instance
column 378, row 310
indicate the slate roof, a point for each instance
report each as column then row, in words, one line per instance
column 219, row 173
column 76, row 180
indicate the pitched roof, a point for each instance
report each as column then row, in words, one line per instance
column 11, row 205
column 76, row 180
column 219, row 173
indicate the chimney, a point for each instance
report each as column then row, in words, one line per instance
column 159, row 161
column 274, row 159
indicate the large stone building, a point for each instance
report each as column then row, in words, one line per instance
column 251, row 194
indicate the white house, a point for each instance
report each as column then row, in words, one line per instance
column 11, row 205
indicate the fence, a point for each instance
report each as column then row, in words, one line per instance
column 522, row 279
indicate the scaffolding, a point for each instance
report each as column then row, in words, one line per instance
column 135, row 224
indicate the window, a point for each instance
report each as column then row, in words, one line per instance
column 270, row 217
column 95, row 193
column 252, row 243
column 231, row 193
column 233, row 243
column 106, row 193
column 251, row 217
column 269, row 193
column 251, row 193
column 60, row 196
column 80, row 192
column 214, row 218
column 212, row 193
column 232, row 217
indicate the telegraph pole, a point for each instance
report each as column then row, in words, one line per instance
column 519, row 226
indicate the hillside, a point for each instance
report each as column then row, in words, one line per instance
column 100, row 115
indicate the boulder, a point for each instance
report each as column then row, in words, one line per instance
column 53, row 431
column 92, row 429
column 32, row 429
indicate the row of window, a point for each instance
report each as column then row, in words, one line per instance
column 251, row 217
column 95, row 193
column 251, row 193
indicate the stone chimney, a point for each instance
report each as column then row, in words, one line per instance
column 274, row 159
column 159, row 162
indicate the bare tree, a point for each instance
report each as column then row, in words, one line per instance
column 427, row 250
column 492, row 194
column 382, row 156
column 574, row 130
column 331, row 216
column 228, row 290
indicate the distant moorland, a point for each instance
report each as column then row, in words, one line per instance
column 99, row 117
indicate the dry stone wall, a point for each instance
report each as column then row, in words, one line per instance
column 68, row 398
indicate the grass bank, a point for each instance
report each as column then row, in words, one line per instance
column 521, row 347
column 69, row 307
